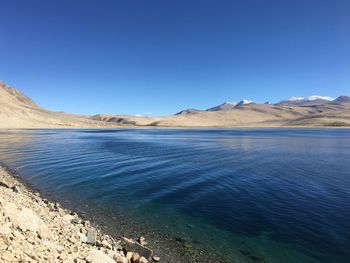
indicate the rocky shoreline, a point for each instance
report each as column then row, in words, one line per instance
column 34, row 229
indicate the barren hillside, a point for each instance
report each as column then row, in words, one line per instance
column 19, row 111
column 252, row 115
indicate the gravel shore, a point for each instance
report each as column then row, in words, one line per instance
column 34, row 229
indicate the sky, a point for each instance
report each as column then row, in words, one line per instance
column 158, row 57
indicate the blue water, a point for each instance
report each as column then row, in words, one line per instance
column 258, row 195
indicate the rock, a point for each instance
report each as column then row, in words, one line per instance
column 86, row 223
column 15, row 189
column 5, row 229
column 155, row 258
column 67, row 218
column 52, row 245
column 120, row 259
column 142, row 241
column 132, row 246
column 51, row 207
column 96, row 256
column 4, row 184
column 83, row 230
column 143, row 260
column 8, row 256
column 106, row 244
column 91, row 237
column 82, row 237
column 26, row 219
column 129, row 255
column 135, row 257
column 57, row 206
column 76, row 220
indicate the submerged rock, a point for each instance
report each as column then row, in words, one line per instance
column 142, row 241
column 133, row 246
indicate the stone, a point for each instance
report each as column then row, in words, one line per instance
column 91, row 237
column 51, row 207
column 86, row 223
column 142, row 241
column 120, row 259
column 67, row 218
column 135, row 257
column 136, row 247
column 96, row 256
column 8, row 256
column 82, row 237
column 76, row 220
column 129, row 255
column 15, row 189
column 5, row 229
column 26, row 219
column 4, row 184
column 52, row 245
column 155, row 258
column 106, row 244
column 143, row 260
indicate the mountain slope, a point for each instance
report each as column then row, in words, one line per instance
column 309, row 101
column 225, row 106
column 19, row 111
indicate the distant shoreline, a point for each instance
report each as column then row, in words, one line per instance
column 178, row 127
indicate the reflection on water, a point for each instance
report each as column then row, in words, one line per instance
column 256, row 195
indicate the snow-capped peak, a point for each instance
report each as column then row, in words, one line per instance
column 229, row 103
column 311, row 98
column 244, row 102
column 296, row 98
column 316, row 97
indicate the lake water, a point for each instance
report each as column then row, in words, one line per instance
column 255, row 195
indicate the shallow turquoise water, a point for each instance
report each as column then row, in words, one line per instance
column 269, row 195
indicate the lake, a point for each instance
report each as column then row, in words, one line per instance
column 249, row 195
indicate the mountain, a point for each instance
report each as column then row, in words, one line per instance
column 302, row 101
column 244, row 102
column 188, row 111
column 341, row 100
column 225, row 106
column 19, row 111
column 230, row 105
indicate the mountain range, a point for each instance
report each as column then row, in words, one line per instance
column 19, row 111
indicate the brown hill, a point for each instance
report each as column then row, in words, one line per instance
column 19, row 111
column 251, row 115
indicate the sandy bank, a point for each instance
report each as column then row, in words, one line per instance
column 33, row 229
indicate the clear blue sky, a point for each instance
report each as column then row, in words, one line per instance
column 163, row 56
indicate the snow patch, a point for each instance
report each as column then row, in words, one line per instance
column 296, row 98
column 244, row 102
column 316, row 97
